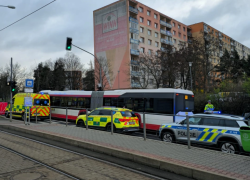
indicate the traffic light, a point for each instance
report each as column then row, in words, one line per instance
column 13, row 85
column 69, row 44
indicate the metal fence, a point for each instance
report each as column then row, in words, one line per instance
column 143, row 120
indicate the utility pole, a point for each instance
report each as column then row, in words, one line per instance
column 11, row 90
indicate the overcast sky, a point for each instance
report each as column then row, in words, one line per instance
column 42, row 36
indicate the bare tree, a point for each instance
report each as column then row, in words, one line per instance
column 103, row 67
column 74, row 70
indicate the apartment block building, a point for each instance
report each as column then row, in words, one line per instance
column 126, row 28
column 225, row 42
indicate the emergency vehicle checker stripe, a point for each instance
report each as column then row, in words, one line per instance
column 204, row 136
column 213, row 137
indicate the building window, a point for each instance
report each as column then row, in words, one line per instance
column 184, row 29
column 156, row 34
column 179, row 34
column 179, row 27
column 173, row 32
column 155, row 16
column 175, row 41
column 156, row 25
column 212, row 31
column 140, row 9
column 225, row 38
column 156, row 44
column 208, row 29
column 149, row 51
column 142, row 39
column 173, row 24
column 149, row 42
column 141, row 19
column 141, row 29
column 184, row 37
column 142, row 50
column 149, row 32
column 156, row 53
column 148, row 13
column 149, row 23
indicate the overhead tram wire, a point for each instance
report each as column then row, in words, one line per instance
column 27, row 15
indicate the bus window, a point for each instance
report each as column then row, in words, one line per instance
column 149, row 105
column 72, row 102
column 189, row 105
column 129, row 103
column 106, row 101
column 55, row 101
column 121, row 102
column 83, row 103
column 163, row 106
column 114, row 102
column 64, row 101
column 139, row 105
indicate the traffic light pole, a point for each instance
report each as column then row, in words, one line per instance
column 100, row 75
column 10, row 90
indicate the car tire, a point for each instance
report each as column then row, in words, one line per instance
column 167, row 137
column 7, row 115
column 108, row 128
column 229, row 147
column 80, row 123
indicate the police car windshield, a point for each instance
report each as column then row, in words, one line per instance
column 127, row 114
column 193, row 120
column 41, row 102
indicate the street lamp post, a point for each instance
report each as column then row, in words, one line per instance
column 190, row 65
column 118, row 80
column 11, row 7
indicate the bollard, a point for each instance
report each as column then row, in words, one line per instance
column 144, row 127
column 50, row 116
column 87, row 119
column 112, row 128
column 29, row 116
column 25, row 115
column 188, row 133
column 36, row 115
column 66, row 116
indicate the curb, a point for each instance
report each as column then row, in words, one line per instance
column 155, row 163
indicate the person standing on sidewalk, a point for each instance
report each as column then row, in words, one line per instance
column 209, row 106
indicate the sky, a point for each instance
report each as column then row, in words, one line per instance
column 42, row 36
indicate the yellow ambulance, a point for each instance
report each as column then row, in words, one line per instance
column 124, row 119
column 40, row 106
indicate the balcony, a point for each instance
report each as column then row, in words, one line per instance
column 221, row 45
column 163, row 49
column 220, row 37
column 133, row 10
column 134, row 52
column 165, row 24
column 134, row 31
column 134, row 62
column 205, row 30
column 166, row 33
column 232, row 49
column 135, row 73
column 233, row 44
column 133, row 20
column 189, row 34
column 190, row 41
column 134, row 41
column 165, row 41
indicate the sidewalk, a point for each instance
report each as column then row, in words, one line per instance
column 195, row 162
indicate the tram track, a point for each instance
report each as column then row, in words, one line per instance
column 69, row 151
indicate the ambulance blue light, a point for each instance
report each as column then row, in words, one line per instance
column 41, row 92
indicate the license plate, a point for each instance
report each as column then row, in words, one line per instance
column 131, row 123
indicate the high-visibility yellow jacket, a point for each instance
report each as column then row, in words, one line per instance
column 209, row 107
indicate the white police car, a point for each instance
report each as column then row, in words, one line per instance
column 207, row 129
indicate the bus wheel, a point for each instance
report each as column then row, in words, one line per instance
column 7, row 115
column 80, row 123
column 167, row 137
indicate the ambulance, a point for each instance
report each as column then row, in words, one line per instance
column 40, row 106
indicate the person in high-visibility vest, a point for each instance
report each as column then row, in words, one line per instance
column 209, row 106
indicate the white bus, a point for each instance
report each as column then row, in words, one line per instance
column 159, row 105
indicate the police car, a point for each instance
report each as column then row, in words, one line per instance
column 207, row 129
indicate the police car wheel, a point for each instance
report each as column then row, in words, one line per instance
column 228, row 147
column 167, row 137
